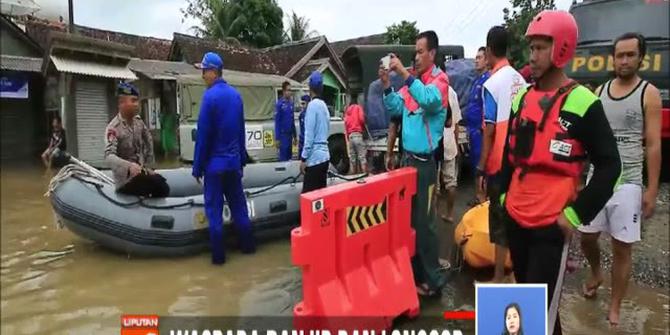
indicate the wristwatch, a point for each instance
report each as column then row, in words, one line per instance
column 479, row 172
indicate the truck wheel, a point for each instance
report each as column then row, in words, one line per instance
column 338, row 154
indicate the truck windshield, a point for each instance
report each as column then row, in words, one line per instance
column 599, row 20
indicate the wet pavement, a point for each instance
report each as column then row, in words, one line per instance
column 54, row 282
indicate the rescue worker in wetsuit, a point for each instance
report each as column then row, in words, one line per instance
column 474, row 115
column 422, row 104
column 220, row 157
column 284, row 126
column 554, row 126
column 633, row 108
column 129, row 149
column 304, row 100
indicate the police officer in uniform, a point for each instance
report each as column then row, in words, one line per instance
column 220, row 157
column 129, row 149
column 284, row 125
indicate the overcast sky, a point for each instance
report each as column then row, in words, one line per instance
column 456, row 21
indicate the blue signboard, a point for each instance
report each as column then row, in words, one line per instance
column 13, row 86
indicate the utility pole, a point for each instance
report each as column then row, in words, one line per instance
column 70, row 9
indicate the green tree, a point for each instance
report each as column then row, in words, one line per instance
column 401, row 33
column 298, row 28
column 257, row 23
column 516, row 21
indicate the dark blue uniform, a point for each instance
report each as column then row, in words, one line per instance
column 284, row 128
column 474, row 119
column 220, row 157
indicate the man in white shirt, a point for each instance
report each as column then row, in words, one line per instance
column 449, row 166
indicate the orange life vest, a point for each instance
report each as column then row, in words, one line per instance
column 547, row 160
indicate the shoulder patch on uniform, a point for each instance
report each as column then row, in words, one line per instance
column 111, row 134
column 579, row 100
column 517, row 98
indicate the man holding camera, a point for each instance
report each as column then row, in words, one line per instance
column 422, row 103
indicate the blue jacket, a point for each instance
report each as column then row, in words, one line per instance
column 220, row 142
column 284, row 118
column 474, row 113
column 431, row 114
column 317, row 128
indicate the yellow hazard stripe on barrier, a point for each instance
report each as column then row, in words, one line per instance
column 360, row 218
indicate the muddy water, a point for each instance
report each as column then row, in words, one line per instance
column 54, row 282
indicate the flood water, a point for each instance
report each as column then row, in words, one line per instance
column 54, row 282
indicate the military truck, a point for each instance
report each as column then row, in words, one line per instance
column 600, row 22
column 259, row 94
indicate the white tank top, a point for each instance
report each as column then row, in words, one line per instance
column 626, row 118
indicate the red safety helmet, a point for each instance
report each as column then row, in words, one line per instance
column 562, row 28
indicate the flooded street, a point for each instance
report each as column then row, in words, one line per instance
column 54, row 282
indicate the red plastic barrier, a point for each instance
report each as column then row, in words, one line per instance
column 665, row 123
column 354, row 246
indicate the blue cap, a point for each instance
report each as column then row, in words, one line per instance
column 210, row 61
column 305, row 98
column 127, row 89
column 315, row 79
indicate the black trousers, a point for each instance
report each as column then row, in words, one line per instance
column 316, row 177
column 147, row 185
column 536, row 256
column 497, row 225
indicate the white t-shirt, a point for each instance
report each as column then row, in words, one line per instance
column 450, row 146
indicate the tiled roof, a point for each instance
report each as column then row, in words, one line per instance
column 286, row 56
column 190, row 49
column 144, row 46
column 20, row 63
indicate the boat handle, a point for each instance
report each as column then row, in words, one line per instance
column 278, row 206
column 162, row 222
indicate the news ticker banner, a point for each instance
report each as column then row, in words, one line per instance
column 500, row 308
column 173, row 325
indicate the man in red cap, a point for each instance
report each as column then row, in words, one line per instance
column 555, row 125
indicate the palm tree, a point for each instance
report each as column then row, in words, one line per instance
column 298, row 28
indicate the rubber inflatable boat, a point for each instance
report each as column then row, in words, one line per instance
column 472, row 234
column 88, row 205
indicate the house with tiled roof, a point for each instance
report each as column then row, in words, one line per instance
column 297, row 60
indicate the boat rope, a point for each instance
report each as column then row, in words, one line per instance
column 352, row 178
column 293, row 181
column 141, row 200
column 72, row 170
column 91, row 176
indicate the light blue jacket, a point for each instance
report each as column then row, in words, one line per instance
column 317, row 127
column 430, row 114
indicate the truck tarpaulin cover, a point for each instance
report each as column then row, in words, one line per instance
column 462, row 75
column 376, row 117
